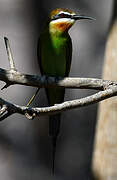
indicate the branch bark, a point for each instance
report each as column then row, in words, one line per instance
column 11, row 77
column 14, row 77
column 30, row 113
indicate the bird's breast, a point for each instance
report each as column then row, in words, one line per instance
column 54, row 56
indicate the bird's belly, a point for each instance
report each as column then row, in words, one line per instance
column 54, row 63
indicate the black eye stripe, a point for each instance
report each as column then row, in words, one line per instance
column 62, row 15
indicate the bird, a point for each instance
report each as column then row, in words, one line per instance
column 54, row 53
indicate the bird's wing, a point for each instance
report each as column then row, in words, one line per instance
column 68, row 56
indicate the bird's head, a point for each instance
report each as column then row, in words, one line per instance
column 62, row 19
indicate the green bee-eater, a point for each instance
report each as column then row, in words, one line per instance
column 54, row 55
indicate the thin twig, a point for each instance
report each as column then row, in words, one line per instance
column 33, row 97
column 9, row 53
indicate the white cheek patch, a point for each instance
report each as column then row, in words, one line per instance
column 63, row 20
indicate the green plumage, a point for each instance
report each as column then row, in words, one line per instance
column 54, row 55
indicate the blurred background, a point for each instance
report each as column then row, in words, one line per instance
column 25, row 148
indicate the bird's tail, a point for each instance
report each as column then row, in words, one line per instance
column 54, row 127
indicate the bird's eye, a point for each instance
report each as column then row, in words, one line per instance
column 62, row 15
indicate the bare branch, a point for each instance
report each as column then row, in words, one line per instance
column 9, row 53
column 30, row 113
column 14, row 77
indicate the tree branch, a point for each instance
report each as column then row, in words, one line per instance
column 14, row 77
column 11, row 77
column 30, row 113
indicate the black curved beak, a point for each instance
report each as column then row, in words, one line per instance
column 78, row 17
